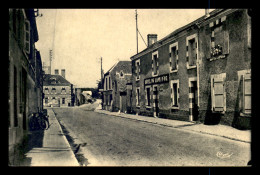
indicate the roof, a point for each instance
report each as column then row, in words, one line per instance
column 175, row 32
column 55, row 80
column 127, row 68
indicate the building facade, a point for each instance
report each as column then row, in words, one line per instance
column 225, row 68
column 179, row 77
column 58, row 92
column 115, row 89
column 24, row 76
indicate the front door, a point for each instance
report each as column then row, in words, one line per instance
column 155, row 98
column 194, row 92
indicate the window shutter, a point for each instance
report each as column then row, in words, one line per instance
column 146, row 98
column 247, row 93
column 27, row 36
column 226, row 42
column 218, row 87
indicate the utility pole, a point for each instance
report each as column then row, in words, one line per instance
column 50, row 60
column 136, row 29
column 101, row 71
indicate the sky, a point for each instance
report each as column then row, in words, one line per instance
column 80, row 37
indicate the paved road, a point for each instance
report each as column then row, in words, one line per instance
column 113, row 141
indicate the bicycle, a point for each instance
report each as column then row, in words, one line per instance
column 39, row 121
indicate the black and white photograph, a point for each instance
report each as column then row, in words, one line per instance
column 129, row 87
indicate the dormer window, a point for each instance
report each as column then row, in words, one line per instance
column 53, row 80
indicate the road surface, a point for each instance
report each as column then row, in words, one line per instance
column 104, row 140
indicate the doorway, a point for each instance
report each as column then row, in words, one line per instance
column 156, row 101
column 193, row 100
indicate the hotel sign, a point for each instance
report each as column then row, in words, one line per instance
column 157, row 80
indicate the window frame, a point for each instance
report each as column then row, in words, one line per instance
column 172, row 94
column 157, row 63
column 175, row 44
column 150, row 96
column 137, row 70
column 191, row 37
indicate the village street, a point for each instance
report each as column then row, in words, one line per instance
column 104, row 140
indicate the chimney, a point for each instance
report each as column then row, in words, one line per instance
column 63, row 73
column 151, row 38
column 56, row 71
column 207, row 13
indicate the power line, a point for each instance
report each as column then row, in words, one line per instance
column 142, row 38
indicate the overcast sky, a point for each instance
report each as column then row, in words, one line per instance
column 81, row 36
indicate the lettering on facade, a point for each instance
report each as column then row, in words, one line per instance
column 157, row 80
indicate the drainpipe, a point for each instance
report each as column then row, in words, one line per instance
column 198, row 66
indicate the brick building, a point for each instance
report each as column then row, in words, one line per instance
column 24, row 76
column 115, row 89
column 58, row 92
column 175, row 78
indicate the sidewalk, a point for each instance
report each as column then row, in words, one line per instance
column 217, row 130
column 53, row 149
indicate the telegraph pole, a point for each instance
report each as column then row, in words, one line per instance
column 136, row 29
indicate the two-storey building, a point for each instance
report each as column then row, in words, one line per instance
column 115, row 89
column 57, row 91
column 199, row 72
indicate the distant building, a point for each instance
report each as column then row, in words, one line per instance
column 58, row 92
column 115, row 89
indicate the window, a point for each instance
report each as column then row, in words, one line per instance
column 138, row 96
column 175, row 93
column 53, row 90
column 148, row 96
column 46, row 100
column 191, row 51
column 63, row 90
column 244, row 78
column 46, row 91
column 137, row 70
column 121, row 74
column 53, row 98
column 109, row 83
column 218, row 92
column 27, row 36
column 155, row 64
column 173, row 53
column 219, row 39
column 63, row 100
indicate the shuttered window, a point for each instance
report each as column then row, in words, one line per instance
column 218, row 93
column 27, row 36
column 192, row 52
column 247, row 93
